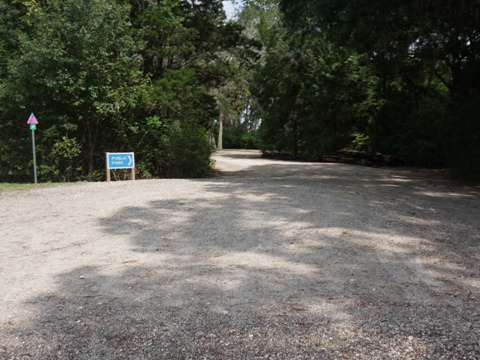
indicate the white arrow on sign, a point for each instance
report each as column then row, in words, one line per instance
column 131, row 160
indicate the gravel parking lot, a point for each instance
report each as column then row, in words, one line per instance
column 268, row 260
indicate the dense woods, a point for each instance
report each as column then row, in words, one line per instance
column 172, row 80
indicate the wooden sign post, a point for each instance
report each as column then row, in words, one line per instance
column 120, row 161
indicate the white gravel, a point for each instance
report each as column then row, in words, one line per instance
column 270, row 260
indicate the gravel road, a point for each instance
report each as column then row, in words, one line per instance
column 268, row 260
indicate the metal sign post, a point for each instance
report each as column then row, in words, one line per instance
column 32, row 121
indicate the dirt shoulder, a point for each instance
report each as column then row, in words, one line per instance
column 270, row 259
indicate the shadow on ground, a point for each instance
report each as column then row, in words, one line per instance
column 282, row 262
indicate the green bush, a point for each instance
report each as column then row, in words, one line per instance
column 237, row 138
column 174, row 149
column 62, row 163
column 250, row 140
column 417, row 135
column 360, row 142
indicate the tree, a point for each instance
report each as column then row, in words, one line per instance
column 419, row 40
column 315, row 95
column 109, row 75
column 12, row 27
column 231, row 99
column 76, row 71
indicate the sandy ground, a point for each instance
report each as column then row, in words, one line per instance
column 271, row 260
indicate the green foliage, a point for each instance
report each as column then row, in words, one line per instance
column 414, row 136
column 59, row 164
column 179, row 150
column 360, row 142
column 307, row 78
column 250, row 140
column 412, row 45
column 75, row 68
column 165, row 127
column 104, row 76
column 413, row 127
column 315, row 96
column 183, row 58
column 238, row 138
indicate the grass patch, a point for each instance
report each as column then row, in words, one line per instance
column 4, row 187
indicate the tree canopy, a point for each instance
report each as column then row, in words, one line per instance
column 173, row 79
column 424, row 53
column 111, row 75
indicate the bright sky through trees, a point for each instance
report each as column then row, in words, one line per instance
column 230, row 8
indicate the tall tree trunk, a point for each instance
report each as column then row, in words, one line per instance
column 246, row 118
column 211, row 137
column 220, row 133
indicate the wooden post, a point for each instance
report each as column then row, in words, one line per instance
column 106, row 166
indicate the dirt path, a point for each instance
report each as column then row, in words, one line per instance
column 272, row 260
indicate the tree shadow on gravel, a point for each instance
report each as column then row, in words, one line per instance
column 313, row 265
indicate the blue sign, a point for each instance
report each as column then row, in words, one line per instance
column 120, row 160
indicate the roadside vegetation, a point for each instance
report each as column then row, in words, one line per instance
column 173, row 80
column 7, row 187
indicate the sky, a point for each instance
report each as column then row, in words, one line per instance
column 230, row 8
